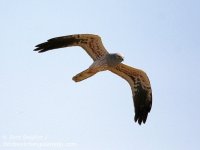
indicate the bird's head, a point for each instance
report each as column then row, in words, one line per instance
column 118, row 57
column 115, row 59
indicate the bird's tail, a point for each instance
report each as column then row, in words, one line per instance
column 84, row 75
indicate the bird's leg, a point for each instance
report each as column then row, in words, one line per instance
column 84, row 74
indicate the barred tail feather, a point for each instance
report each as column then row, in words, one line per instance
column 84, row 75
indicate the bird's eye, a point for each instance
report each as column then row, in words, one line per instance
column 117, row 56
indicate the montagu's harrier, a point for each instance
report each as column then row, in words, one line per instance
column 92, row 44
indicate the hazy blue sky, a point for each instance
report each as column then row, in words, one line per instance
column 40, row 104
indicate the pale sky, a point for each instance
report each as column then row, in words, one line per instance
column 42, row 108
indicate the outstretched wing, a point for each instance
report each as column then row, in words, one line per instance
column 91, row 43
column 141, row 90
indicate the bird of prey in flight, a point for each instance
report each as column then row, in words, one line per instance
column 103, row 60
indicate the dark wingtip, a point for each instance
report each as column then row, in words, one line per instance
column 39, row 48
column 36, row 49
column 140, row 118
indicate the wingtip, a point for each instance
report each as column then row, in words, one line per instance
column 37, row 47
column 38, row 50
column 140, row 119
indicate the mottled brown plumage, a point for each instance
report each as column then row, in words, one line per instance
column 138, row 80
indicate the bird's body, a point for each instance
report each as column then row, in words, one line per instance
column 102, row 64
column 138, row 80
